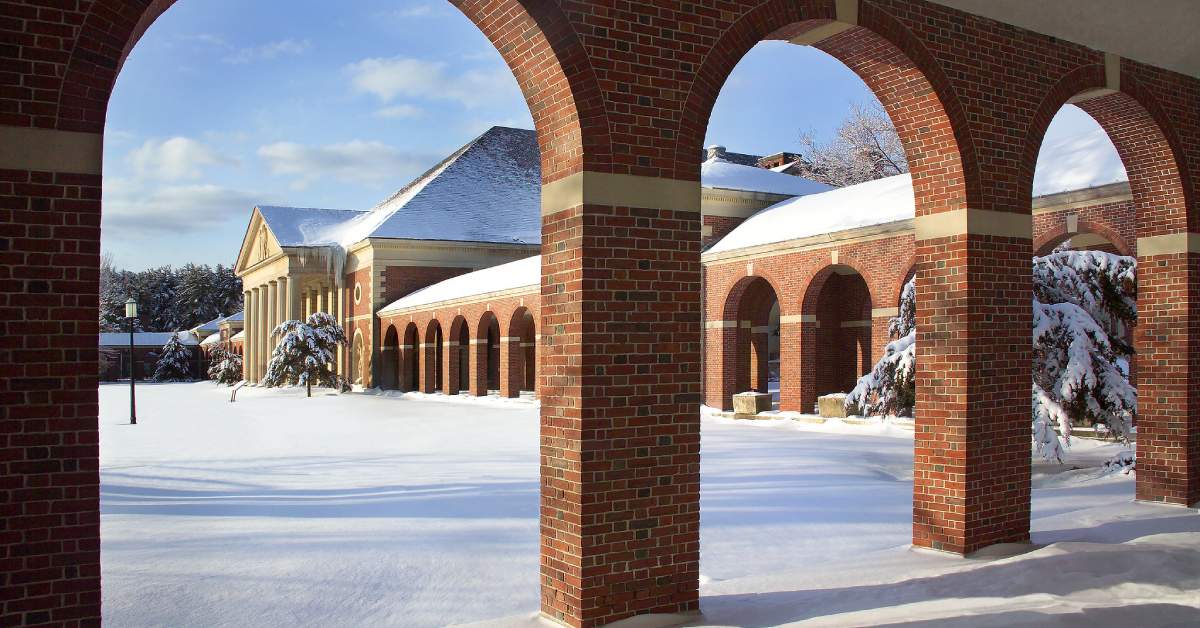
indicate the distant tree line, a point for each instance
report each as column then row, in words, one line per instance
column 169, row 299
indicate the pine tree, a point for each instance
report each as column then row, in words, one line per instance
column 306, row 353
column 225, row 366
column 1083, row 307
column 174, row 365
column 1084, row 303
column 891, row 387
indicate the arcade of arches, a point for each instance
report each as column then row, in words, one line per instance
column 620, row 96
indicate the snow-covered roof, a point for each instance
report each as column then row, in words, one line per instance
column 522, row 273
column 487, row 191
column 212, row 339
column 303, row 226
column 240, row 317
column 144, row 339
column 722, row 174
column 241, row 335
column 871, row 203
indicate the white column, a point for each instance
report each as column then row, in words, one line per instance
column 321, row 307
column 339, row 314
column 263, row 330
column 247, row 325
column 293, row 298
column 272, row 315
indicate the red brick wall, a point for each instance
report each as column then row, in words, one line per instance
column 1116, row 221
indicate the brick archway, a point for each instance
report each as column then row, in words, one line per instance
column 743, row 350
column 1047, row 241
column 458, row 357
column 1165, row 222
column 835, row 340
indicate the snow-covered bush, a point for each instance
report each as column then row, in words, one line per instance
column 174, row 364
column 225, row 366
column 891, row 388
column 1083, row 307
column 1084, row 303
column 306, row 353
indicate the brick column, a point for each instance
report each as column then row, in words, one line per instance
column 972, row 457
column 809, row 360
column 479, row 370
column 881, row 319
column 512, row 366
column 429, row 367
column 790, row 330
column 620, row 431
column 720, row 379
column 49, row 446
column 1168, row 344
column 450, row 383
column 760, row 358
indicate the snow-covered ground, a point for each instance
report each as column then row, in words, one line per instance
column 367, row 510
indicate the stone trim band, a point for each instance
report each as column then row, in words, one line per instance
column 619, row 190
column 50, row 150
column 1169, row 244
column 974, row 222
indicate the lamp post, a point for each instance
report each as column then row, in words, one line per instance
column 131, row 314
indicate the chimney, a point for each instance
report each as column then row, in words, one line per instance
column 716, row 151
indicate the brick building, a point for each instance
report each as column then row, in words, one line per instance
column 621, row 95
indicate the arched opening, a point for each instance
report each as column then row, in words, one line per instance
column 389, row 356
column 752, row 316
column 356, row 359
column 1156, row 217
column 432, row 353
column 493, row 354
column 838, row 304
column 486, row 343
column 529, row 351
column 932, row 130
column 410, row 370
column 516, row 354
column 458, row 363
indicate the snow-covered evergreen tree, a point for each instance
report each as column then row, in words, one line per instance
column 306, row 353
column 891, row 388
column 225, row 367
column 1084, row 303
column 174, row 364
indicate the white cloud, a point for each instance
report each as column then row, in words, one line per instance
column 405, row 76
column 358, row 161
column 399, row 111
column 272, row 50
column 1076, row 153
column 414, row 10
column 133, row 209
column 174, row 159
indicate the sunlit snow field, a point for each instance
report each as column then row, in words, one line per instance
column 363, row 510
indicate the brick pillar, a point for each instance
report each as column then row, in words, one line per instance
column 512, row 366
column 790, row 393
column 720, row 365
column 810, row 360
column 972, row 457
column 1168, row 344
column 450, row 383
column 429, row 366
column 49, row 465
column 760, row 340
column 479, row 362
column 620, row 434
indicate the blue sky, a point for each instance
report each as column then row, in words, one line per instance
column 225, row 104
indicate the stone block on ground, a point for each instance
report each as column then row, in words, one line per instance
column 748, row 404
column 832, row 406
